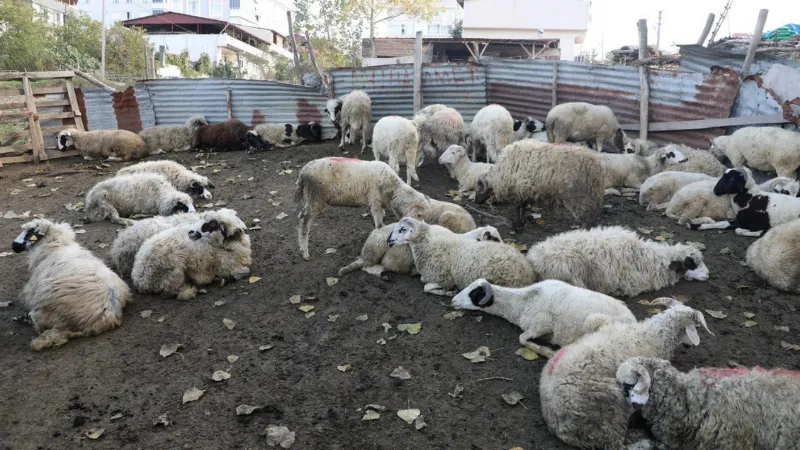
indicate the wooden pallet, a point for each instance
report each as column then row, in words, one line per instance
column 22, row 105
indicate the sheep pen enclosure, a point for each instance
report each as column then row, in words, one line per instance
column 311, row 349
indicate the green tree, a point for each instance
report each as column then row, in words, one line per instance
column 203, row 64
column 182, row 62
column 336, row 33
column 26, row 40
column 457, row 30
column 225, row 70
column 125, row 50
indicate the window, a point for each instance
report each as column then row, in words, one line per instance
column 216, row 8
column 128, row 15
column 192, row 6
column 435, row 29
column 158, row 11
column 158, row 1
column 400, row 29
column 235, row 4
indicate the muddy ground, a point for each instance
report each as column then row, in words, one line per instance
column 119, row 382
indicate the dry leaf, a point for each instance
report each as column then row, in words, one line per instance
column 749, row 323
column 232, row 358
column 344, row 368
column 310, row 314
column 410, row 328
column 644, row 230
column 5, row 304
column 220, row 302
column 168, row 349
column 229, row 324
column 146, row 313
column 645, row 302
column 250, row 179
column 279, row 436
column 306, row 308
column 95, row 433
column 457, row 391
column 361, row 318
column 512, row 398
column 654, row 310
column 102, row 245
column 221, row 203
column 116, row 416
column 264, row 348
column 419, row 423
column 161, row 319
column 162, row 420
column 192, row 395
column 782, row 328
column 748, row 315
column 401, row 373
column 273, row 192
column 220, row 375
column 331, row 281
column 479, row 355
column 453, row 315
column 478, row 318
column 252, row 280
column 381, row 341
column 246, row 410
column 527, row 354
column 206, row 205
column 4, row 254
column 13, row 215
column 333, row 317
column 716, row 314
column 281, row 216
column 295, row 299
column 329, row 251
column 408, row 415
column 789, row 346
column 371, row 415
column 80, row 231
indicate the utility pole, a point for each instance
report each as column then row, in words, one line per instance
column 658, row 33
column 103, row 43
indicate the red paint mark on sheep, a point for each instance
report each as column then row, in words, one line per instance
column 342, row 159
column 552, row 363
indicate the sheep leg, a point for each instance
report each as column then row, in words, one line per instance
column 748, row 233
column 723, row 225
column 114, row 158
column 519, row 221
column 539, row 349
column 353, row 266
column 187, row 292
column 54, row 338
column 304, row 229
column 345, row 128
column 377, row 214
column 437, row 289
column 378, row 271
column 657, row 207
column 363, row 138
column 612, row 191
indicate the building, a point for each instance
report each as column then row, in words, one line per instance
column 56, row 10
column 565, row 20
column 439, row 50
column 437, row 27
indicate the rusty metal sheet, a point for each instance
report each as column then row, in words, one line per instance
column 696, row 58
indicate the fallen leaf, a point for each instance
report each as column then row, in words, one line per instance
column 102, row 245
column 716, row 314
column 13, row 215
column 401, row 373
column 457, row 391
column 14, row 191
column 256, row 220
column 331, row 281
column 264, row 348
column 479, row 355
column 279, row 436
column 27, row 180
column 644, row 230
column 698, row 245
column 386, row 327
column 95, row 433
column 344, row 368
column 381, row 341
column 229, row 324
column 80, row 231
column 276, row 203
column 252, row 280
column 361, row 318
column 410, row 328
column 645, row 302
column 281, row 216
column 146, row 313
column 220, row 375
column 116, row 416
column 161, row 319
column 273, row 192
column 512, row 398
column 168, row 349
column 232, row 358
column 749, row 323
column 725, row 251
column 408, row 415
column 246, row 410
column 453, row 315
column 329, row 251
column 216, row 171
column 660, row 238
column 789, row 346
column 310, row 314
column 162, row 420
column 5, row 304
column 782, row 328
column 371, row 415
column 4, row 254
column 220, row 302
column 452, row 193
column 527, row 354
column 654, row 310
column 392, row 337
column 306, row 308
column 478, row 318
column 419, row 423
column 295, row 299
column 206, row 205
column 748, row 314
column 518, row 246
column 192, row 395
column 333, row 317
column 250, row 179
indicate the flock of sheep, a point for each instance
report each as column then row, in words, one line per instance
column 561, row 292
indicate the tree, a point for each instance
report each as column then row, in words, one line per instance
column 203, row 64
column 125, row 50
column 26, row 41
column 336, row 32
column 457, row 30
column 377, row 11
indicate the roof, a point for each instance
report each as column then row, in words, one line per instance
column 395, row 47
column 173, row 18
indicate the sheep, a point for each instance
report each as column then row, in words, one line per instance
column 179, row 176
column 615, row 261
column 367, row 135
column 493, row 128
column 425, row 113
column 272, row 135
column 351, row 113
column 174, row 261
column 712, row 408
column 764, row 148
column 397, row 138
column 630, row 171
column 526, row 128
column 172, row 138
column 581, row 402
column 776, row 255
column 114, row 145
column 781, row 185
column 548, row 308
column 442, row 129
column 657, row 190
column 446, row 260
column 756, row 211
column 230, row 135
column 584, row 122
column 549, row 173
column 70, row 292
column 142, row 193
column 378, row 259
column 407, row 201
column 465, row 171
column 639, row 147
column 697, row 161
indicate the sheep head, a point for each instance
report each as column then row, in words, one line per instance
column 196, row 121
column 478, row 295
column 670, row 156
column 452, row 154
column 634, row 379
column 483, row 191
column 688, row 263
column 200, row 189
column 406, row 231
column 333, row 108
column 253, row 139
column 717, row 147
column 65, row 140
column 733, row 181
column 178, row 202
column 34, row 232
column 219, row 227
column 685, row 317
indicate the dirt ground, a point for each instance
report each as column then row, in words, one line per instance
column 120, row 383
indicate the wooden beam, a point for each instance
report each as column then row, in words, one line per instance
column 15, row 105
column 94, row 80
column 16, row 150
column 555, row 84
column 313, row 58
column 474, row 56
column 418, row 72
column 11, row 92
column 751, row 51
column 60, row 115
column 475, row 48
column 530, row 55
column 16, row 134
column 485, row 46
column 229, row 104
column 49, row 90
column 33, row 122
column 33, row 76
column 42, row 103
column 706, row 29
column 769, row 119
column 297, row 68
column 644, row 83
column 73, row 105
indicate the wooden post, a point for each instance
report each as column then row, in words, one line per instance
column 754, row 41
column 228, row 102
column 706, row 29
column 294, row 47
column 73, row 104
column 418, row 72
column 313, row 59
column 93, row 79
column 37, row 141
column 555, row 84
column 644, row 95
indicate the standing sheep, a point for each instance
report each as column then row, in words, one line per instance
column 231, row 135
column 550, row 309
column 697, row 161
column 425, row 113
column 142, row 193
column 775, row 257
column 584, row 122
column 172, row 138
column 397, row 138
column 352, row 113
column 457, row 162
column 70, row 293
column 179, row 176
column 547, row 173
column 492, row 128
column 615, row 261
column 115, row 145
column 714, row 408
column 764, row 148
column 441, row 130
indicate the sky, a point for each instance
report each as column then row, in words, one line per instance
column 613, row 22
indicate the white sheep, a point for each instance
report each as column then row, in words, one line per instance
column 584, row 122
column 127, row 195
column 179, row 176
column 764, row 148
column 352, row 113
column 173, row 262
column 442, row 129
column 457, row 162
column 377, row 258
column 711, row 408
column 640, row 147
column 781, row 185
column 407, row 201
column 70, row 293
column 114, row 145
column 527, row 128
column 397, row 139
column 274, row 135
column 615, row 261
column 581, row 401
column 172, row 138
column 697, row 161
column 657, row 190
column 553, row 309
column 492, row 128
column 624, row 170
column 775, row 257
column 423, row 114
column 447, row 261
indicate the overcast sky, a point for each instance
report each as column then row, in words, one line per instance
column 613, row 22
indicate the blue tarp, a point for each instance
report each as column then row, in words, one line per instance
column 784, row 32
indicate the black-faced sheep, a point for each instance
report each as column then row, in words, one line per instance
column 352, row 113
column 584, row 122
column 775, row 257
column 764, row 148
column 172, row 138
column 114, row 145
column 142, row 193
column 70, row 293
column 179, row 176
column 397, row 139
column 230, row 135
column 491, row 128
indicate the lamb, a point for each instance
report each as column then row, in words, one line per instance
column 397, row 138
column 640, row 147
column 657, row 190
column 174, row 261
column 114, row 145
column 407, row 201
column 527, row 128
column 764, row 148
column 697, row 161
column 549, row 173
column 630, row 171
column 441, row 130
column 714, row 408
column 378, row 259
column 493, row 128
column 179, row 176
column 465, row 171
column 172, row 138
column 70, row 293
column 584, row 122
column 142, row 193
column 775, row 257
column 230, row 135
column 351, row 113
column 615, row 261
column 581, row 401
column 548, row 308
column 446, row 260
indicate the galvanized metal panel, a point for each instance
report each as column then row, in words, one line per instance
column 696, row 58
column 146, row 111
column 99, row 109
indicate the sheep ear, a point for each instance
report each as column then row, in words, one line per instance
column 517, row 124
column 691, row 333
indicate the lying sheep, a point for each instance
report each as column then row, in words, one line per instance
column 581, row 401
column 697, row 161
column 172, row 138
column 615, row 261
column 272, row 134
column 549, row 309
column 584, row 122
column 527, row 128
column 764, row 148
column 492, row 128
column 713, row 408
column 457, row 162
column 442, row 129
column 776, row 256
column 127, row 195
column 179, row 176
column 173, row 262
column 630, row 171
column 114, row 145
column 407, row 201
column 397, row 139
column 446, row 260
column 231, row 135
column 781, row 185
column 352, row 113
column 378, row 259
column 70, row 293
column 657, row 190
column 640, row 147
column 546, row 173
column 311, row 131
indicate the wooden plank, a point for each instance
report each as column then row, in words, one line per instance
column 59, row 115
column 33, row 121
column 770, row 119
column 16, row 149
column 16, row 134
column 11, row 92
column 754, row 41
column 229, row 104
column 50, row 103
column 49, row 90
column 644, row 82
column 51, row 130
column 36, row 75
column 418, row 72
column 73, row 104
column 55, row 154
column 16, row 159
column 14, row 105
column 13, row 117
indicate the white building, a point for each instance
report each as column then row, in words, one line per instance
column 56, row 10
column 404, row 26
column 566, row 20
